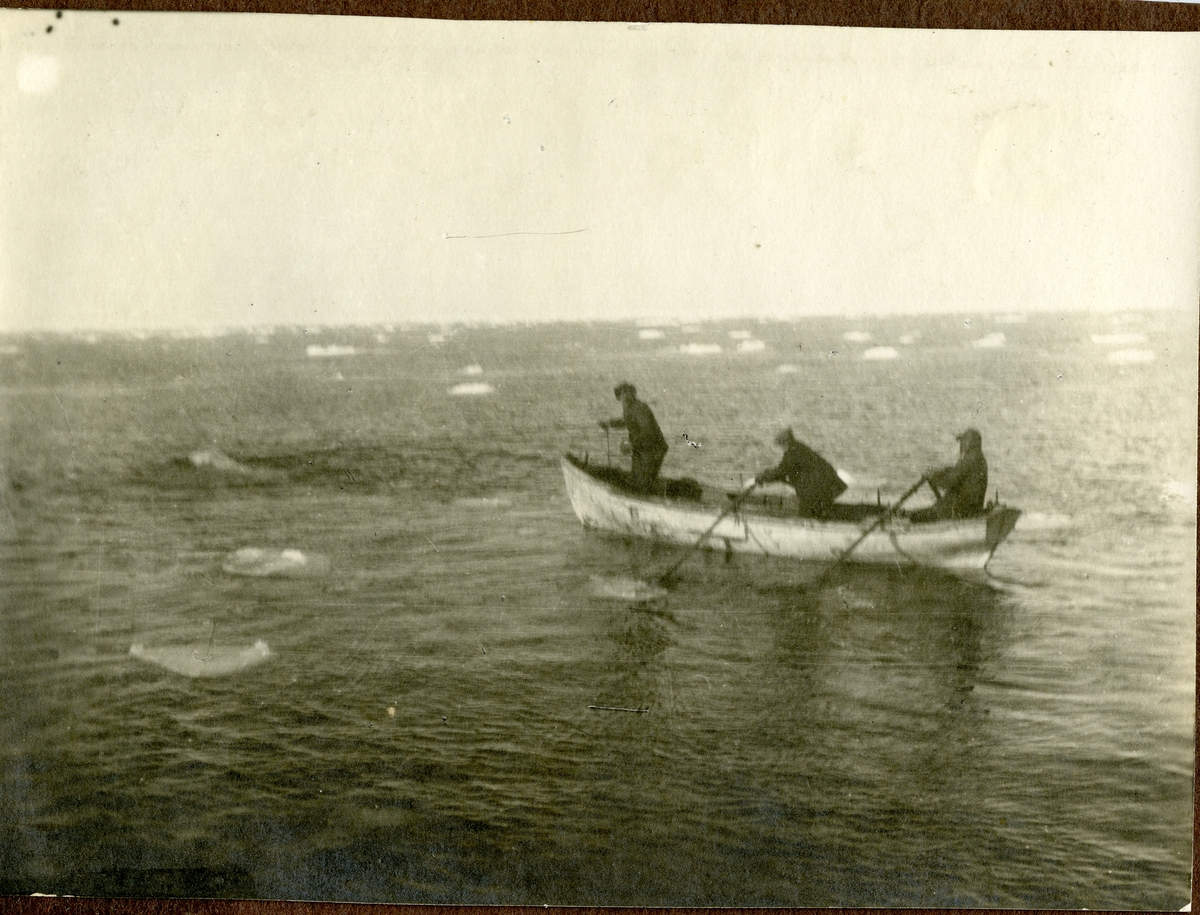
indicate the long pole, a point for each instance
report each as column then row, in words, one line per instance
column 666, row 576
column 863, row 536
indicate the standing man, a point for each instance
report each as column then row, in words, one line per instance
column 960, row 489
column 816, row 483
column 646, row 441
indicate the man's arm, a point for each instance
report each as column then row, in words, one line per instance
column 774, row 475
column 946, row 478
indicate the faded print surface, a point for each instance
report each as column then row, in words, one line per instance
column 298, row 609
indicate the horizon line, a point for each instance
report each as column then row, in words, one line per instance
column 214, row 330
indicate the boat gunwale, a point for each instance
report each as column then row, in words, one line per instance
column 898, row 521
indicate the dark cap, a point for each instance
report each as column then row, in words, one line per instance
column 970, row 437
column 623, row 387
column 785, row 437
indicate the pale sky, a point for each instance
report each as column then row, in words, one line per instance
column 204, row 170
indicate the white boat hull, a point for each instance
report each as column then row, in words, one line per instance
column 952, row 545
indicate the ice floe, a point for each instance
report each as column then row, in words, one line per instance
column 650, row 333
column 625, row 589
column 751, row 346
column 334, row 349
column 787, row 369
column 472, row 389
column 217, row 460
column 740, row 335
column 1131, row 356
column 700, row 349
column 1118, row 339
column 880, row 352
column 203, row 662
column 856, row 336
column 990, row 341
column 256, row 562
column 1177, row 489
column 471, row 370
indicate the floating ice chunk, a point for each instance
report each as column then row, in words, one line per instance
column 9, row 350
column 381, row 338
column 1131, row 356
column 909, row 339
column 1177, row 489
column 739, row 335
column 787, row 369
column 700, row 349
column 472, row 389
column 318, row 352
column 856, row 336
column 437, row 339
column 218, row 461
column 991, row 341
column 880, row 352
column 338, row 376
column 751, row 346
column 1118, row 339
column 471, row 370
column 625, row 589
column 262, row 563
column 483, row 502
column 650, row 333
column 203, row 662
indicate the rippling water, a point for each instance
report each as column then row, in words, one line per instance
column 420, row 729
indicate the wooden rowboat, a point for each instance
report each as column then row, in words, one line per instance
column 680, row 516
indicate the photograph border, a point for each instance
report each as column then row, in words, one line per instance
column 1057, row 15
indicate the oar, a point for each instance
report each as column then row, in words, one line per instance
column 863, row 536
column 737, row 500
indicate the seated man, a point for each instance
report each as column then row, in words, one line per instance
column 647, row 445
column 960, row 489
column 816, row 483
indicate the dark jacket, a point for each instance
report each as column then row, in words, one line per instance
column 814, row 479
column 962, row 488
column 645, row 437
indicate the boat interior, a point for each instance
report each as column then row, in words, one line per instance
column 687, row 489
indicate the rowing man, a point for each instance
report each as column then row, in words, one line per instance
column 816, row 483
column 960, row 489
column 647, row 445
